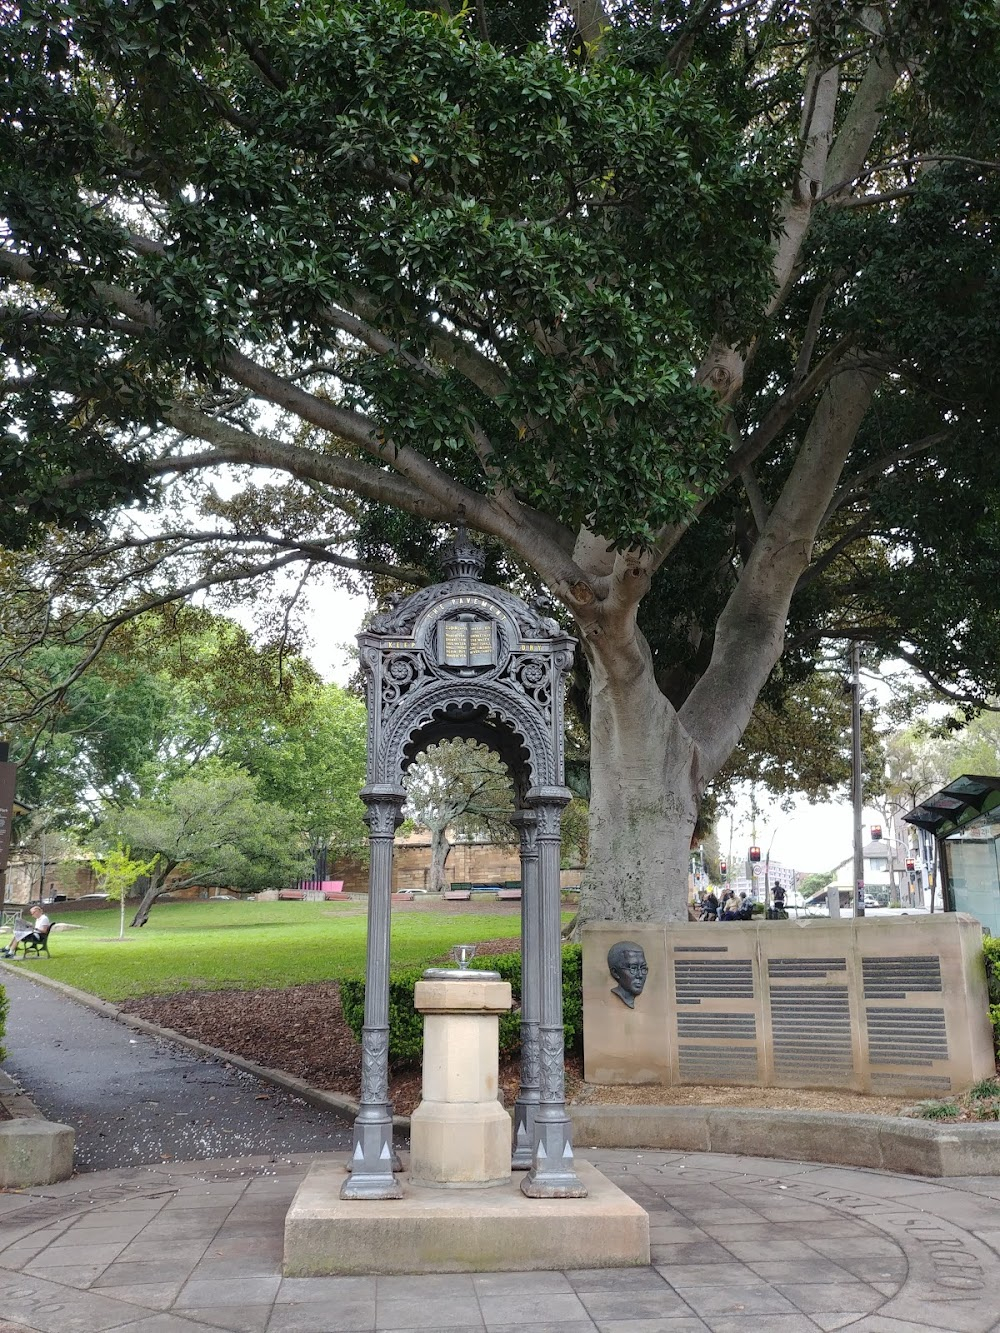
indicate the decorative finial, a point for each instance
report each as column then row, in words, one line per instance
column 462, row 559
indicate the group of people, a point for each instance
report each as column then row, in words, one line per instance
column 728, row 907
column 732, row 907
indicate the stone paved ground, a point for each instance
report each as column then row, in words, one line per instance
column 739, row 1245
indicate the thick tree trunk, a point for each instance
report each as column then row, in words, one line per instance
column 643, row 804
column 440, row 851
column 157, row 885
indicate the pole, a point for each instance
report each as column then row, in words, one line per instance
column 859, row 864
column 373, row 1160
column 528, row 1093
column 41, row 869
column 8, row 781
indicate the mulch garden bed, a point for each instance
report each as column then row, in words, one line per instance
column 301, row 1030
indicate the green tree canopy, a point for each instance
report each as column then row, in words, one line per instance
column 462, row 788
column 170, row 691
column 313, row 764
column 690, row 309
column 210, row 829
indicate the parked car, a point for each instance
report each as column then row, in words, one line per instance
column 898, row 911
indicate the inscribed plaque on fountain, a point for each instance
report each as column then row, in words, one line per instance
column 467, row 642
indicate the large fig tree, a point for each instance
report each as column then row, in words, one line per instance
column 691, row 307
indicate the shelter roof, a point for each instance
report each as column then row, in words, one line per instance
column 957, row 805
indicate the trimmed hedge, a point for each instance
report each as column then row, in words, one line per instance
column 991, row 953
column 4, row 1006
column 406, row 1026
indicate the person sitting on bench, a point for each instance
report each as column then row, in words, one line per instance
column 36, row 935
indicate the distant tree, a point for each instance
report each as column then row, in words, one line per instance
column 167, row 691
column 210, row 829
column 458, row 788
column 170, row 692
column 117, row 871
column 820, row 879
column 916, row 764
column 975, row 748
column 312, row 763
column 798, row 740
column 575, row 833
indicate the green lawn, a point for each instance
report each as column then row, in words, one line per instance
column 245, row 945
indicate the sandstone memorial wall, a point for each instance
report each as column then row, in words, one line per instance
column 887, row 1006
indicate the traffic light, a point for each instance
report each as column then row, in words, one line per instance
column 723, row 869
column 876, row 833
column 909, row 864
column 754, row 853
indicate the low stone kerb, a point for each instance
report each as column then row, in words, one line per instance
column 33, row 1150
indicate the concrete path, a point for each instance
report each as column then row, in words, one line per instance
column 738, row 1246
column 135, row 1101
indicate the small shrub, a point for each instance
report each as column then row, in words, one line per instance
column 4, row 1006
column 939, row 1111
column 406, row 1026
column 986, row 1087
column 991, row 953
column 572, row 976
column 987, row 1111
column 995, row 1020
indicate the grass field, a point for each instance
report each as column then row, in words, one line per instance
column 245, row 945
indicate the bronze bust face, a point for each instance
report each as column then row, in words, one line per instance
column 627, row 964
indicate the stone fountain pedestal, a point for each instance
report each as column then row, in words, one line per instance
column 460, row 1135
column 460, row 1211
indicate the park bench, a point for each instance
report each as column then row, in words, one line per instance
column 292, row 895
column 512, row 895
column 39, row 946
column 457, row 895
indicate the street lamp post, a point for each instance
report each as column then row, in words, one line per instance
column 856, row 785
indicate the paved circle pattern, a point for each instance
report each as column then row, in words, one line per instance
column 738, row 1245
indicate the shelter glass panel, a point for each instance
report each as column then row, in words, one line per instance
column 975, row 880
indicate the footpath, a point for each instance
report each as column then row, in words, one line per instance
column 187, row 1167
